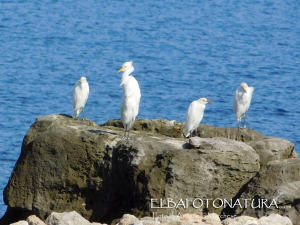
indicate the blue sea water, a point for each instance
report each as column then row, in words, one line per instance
column 181, row 51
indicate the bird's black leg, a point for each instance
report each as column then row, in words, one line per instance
column 245, row 120
column 83, row 113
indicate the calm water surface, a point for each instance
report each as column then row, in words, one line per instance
column 181, row 51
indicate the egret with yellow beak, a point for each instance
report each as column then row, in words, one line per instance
column 130, row 98
column 194, row 116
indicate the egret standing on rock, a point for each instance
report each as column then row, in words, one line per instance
column 130, row 98
column 128, row 112
column 80, row 95
column 241, row 102
column 194, row 116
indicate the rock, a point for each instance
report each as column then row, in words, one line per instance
column 128, row 219
column 219, row 144
column 166, row 219
column 212, row 219
column 278, row 182
column 68, row 164
column 94, row 223
column 22, row 222
column 271, row 149
column 61, row 168
column 34, row 220
column 157, row 169
column 146, row 222
column 275, row 219
column 70, row 218
column 148, row 218
column 242, row 220
column 175, row 129
column 192, row 218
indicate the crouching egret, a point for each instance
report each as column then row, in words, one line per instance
column 194, row 116
column 80, row 95
column 241, row 102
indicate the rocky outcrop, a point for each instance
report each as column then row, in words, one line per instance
column 279, row 181
column 68, row 164
column 175, row 129
column 270, row 149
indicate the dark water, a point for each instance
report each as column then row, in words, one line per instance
column 181, row 51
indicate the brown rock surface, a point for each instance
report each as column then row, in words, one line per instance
column 68, row 164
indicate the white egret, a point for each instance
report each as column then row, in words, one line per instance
column 130, row 83
column 128, row 112
column 241, row 102
column 130, row 98
column 194, row 116
column 80, row 95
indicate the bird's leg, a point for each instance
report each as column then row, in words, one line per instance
column 75, row 115
column 124, row 137
column 238, row 134
column 83, row 113
column 127, row 135
column 196, row 131
column 245, row 120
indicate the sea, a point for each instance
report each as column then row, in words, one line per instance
column 181, row 51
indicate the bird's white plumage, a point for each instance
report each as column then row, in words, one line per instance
column 130, row 84
column 128, row 111
column 80, row 95
column 130, row 98
column 241, row 101
column 194, row 115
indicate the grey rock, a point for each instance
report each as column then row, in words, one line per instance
column 128, row 219
column 175, row 129
column 271, row 149
column 68, row 164
column 275, row 219
column 146, row 222
column 21, row 222
column 34, row 220
column 278, row 181
column 66, row 218
column 242, row 220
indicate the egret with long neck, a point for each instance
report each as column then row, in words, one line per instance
column 130, row 98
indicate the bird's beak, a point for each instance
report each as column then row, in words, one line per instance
column 245, row 90
column 81, row 80
column 121, row 69
column 208, row 100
